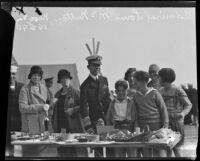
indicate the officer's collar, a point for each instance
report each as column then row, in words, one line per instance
column 94, row 77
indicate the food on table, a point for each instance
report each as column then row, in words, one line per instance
column 87, row 137
column 59, row 138
column 163, row 135
column 45, row 137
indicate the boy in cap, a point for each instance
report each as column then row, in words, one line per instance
column 49, row 82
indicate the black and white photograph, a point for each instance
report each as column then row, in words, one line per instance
column 100, row 80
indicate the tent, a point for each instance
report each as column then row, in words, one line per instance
column 50, row 71
column 13, row 61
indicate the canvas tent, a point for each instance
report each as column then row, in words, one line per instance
column 13, row 61
column 50, row 71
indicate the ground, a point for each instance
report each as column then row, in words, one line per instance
column 191, row 140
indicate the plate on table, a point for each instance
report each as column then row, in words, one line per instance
column 23, row 138
column 71, row 141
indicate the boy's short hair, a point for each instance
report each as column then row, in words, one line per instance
column 154, row 67
column 141, row 76
column 167, row 75
column 128, row 72
column 122, row 83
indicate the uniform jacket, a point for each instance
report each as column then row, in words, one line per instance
column 31, row 108
column 94, row 98
column 13, row 107
column 72, row 100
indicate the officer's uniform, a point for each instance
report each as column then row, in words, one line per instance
column 94, row 97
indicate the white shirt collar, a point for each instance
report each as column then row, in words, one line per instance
column 149, row 90
column 94, row 77
column 125, row 100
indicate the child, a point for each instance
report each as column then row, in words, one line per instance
column 177, row 102
column 150, row 107
column 122, row 114
column 129, row 77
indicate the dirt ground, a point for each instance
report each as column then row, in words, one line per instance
column 191, row 140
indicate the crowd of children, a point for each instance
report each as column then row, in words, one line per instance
column 138, row 103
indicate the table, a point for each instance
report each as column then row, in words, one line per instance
column 53, row 145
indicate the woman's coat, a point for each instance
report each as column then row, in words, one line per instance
column 31, row 107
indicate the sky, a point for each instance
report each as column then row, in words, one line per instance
column 129, row 37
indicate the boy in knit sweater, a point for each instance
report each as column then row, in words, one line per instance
column 122, row 114
column 150, row 107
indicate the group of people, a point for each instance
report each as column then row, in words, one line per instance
column 141, row 98
column 192, row 93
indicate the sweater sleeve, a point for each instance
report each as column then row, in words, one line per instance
column 134, row 116
column 163, row 110
column 24, row 106
column 187, row 105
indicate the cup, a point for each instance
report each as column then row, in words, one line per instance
column 137, row 130
column 63, row 131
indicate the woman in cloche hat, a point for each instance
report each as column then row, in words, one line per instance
column 32, row 100
column 66, row 113
column 33, row 106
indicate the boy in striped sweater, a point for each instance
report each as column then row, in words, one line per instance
column 150, row 107
column 177, row 103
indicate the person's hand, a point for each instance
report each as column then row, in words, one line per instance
column 90, row 131
column 166, row 126
column 100, row 122
column 55, row 100
column 69, row 111
column 180, row 115
column 50, row 112
column 46, row 107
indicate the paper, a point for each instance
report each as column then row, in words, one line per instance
column 105, row 129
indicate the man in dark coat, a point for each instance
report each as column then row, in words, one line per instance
column 13, row 112
column 94, row 97
column 13, row 97
column 49, row 84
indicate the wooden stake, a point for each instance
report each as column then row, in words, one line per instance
column 88, row 49
column 93, row 42
column 97, row 49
